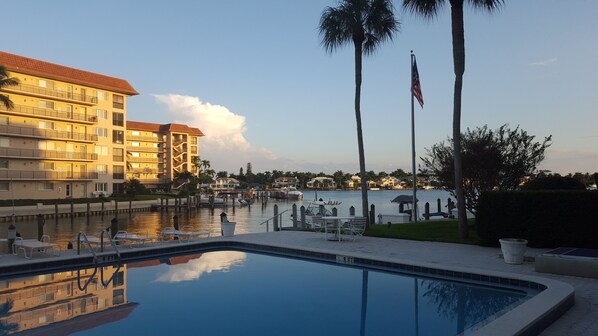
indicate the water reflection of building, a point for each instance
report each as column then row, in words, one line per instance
column 54, row 304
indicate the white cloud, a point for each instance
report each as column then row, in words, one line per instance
column 224, row 144
column 545, row 62
column 207, row 263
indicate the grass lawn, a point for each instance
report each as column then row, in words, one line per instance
column 441, row 231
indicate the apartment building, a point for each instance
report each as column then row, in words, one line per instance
column 157, row 152
column 65, row 136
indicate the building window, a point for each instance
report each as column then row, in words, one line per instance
column 156, row 145
column 102, row 169
column 135, row 154
column 118, row 101
column 194, row 140
column 3, row 120
column 193, row 149
column 118, row 172
column 135, row 165
column 135, row 133
column 46, row 84
column 3, row 164
column 101, row 95
column 118, row 136
column 101, row 150
column 46, row 166
column 46, row 125
column 117, row 188
column 46, row 186
column 135, row 143
column 101, row 132
column 46, row 104
column 4, row 142
column 118, row 119
column 101, row 187
column 4, row 186
column 103, row 114
column 118, row 155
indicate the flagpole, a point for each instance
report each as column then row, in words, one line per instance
column 414, row 208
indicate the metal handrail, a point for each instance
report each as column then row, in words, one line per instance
column 267, row 221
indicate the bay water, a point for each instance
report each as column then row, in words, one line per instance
column 250, row 219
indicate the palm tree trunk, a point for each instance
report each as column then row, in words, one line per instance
column 459, row 65
column 364, row 189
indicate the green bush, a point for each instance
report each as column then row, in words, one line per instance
column 545, row 218
column 554, row 183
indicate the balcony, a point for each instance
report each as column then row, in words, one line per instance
column 161, row 180
column 143, row 149
column 144, row 138
column 56, row 94
column 30, row 132
column 24, row 153
column 137, row 159
column 118, row 176
column 43, row 175
column 50, row 114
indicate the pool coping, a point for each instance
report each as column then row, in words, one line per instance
column 528, row 318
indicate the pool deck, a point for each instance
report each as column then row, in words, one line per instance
column 579, row 320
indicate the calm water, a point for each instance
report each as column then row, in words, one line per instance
column 237, row 293
column 248, row 219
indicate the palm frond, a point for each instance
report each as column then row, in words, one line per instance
column 425, row 8
column 487, row 5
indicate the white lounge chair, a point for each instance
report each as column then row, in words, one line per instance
column 186, row 233
column 33, row 245
column 134, row 238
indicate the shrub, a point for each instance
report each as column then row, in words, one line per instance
column 545, row 218
column 554, row 183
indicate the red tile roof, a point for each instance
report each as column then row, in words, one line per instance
column 151, row 127
column 48, row 70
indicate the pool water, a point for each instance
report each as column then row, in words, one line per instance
column 238, row 293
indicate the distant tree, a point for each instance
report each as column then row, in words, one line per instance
column 222, row 174
column 554, row 182
column 133, row 187
column 4, row 82
column 595, row 175
column 399, row 173
column 366, row 24
column 492, row 159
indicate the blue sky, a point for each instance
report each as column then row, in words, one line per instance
column 253, row 76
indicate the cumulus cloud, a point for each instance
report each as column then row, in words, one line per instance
column 224, row 144
column 545, row 62
column 207, row 263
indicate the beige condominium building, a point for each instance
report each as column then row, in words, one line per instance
column 65, row 135
column 156, row 152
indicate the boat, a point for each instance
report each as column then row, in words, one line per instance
column 317, row 209
column 287, row 193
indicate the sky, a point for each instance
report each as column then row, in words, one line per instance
column 255, row 79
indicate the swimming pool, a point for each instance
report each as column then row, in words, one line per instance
column 236, row 292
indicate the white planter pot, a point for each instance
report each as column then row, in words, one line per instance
column 513, row 250
column 228, row 228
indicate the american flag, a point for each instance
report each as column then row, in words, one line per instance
column 416, row 89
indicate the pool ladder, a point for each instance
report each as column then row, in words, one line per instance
column 82, row 237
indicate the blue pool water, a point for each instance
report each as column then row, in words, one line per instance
column 238, row 293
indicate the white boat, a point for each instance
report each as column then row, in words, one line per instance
column 291, row 193
column 315, row 210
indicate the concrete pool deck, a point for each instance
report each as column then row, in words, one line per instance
column 581, row 319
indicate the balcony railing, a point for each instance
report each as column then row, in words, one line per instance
column 118, row 176
column 49, row 113
column 178, row 142
column 144, row 138
column 118, row 105
column 40, row 91
column 46, row 154
column 45, row 175
column 162, row 180
column 145, row 171
column 46, row 133
column 143, row 159
column 143, row 149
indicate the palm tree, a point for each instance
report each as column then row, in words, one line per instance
column 6, row 81
column 366, row 23
column 429, row 9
